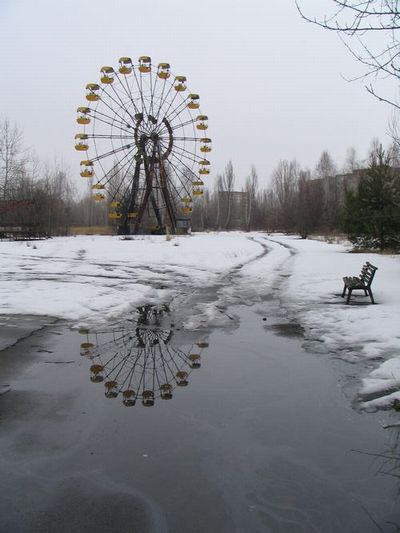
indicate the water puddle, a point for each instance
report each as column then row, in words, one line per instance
column 228, row 430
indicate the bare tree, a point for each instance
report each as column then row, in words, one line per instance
column 351, row 163
column 325, row 167
column 326, row 171
column 358, row 22
column 251, row 188
column 11, row 157
column 227, row 184
column 309, row 205
column 284, row 185
column 394, row 154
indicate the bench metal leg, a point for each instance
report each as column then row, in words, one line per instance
column 348, row 295
column 370, row 295
column 344, row 290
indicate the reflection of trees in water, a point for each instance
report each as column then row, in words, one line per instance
column 138, row 360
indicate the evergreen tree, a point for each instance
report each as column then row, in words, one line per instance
column 372, row 214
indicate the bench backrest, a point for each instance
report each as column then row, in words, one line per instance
column 368, row 273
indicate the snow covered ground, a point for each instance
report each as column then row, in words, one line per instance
column 91, row 280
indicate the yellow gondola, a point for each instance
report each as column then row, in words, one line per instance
column 166, row 391
column 148, row 398
column 80, row 145
column 186, row 200
column 144, row 64
column 182, row 378
column 202, row 122
column 205, row 147
column 202, row 344
column 179, row 83
column 198, row 183
column 198, row 192
column 133, row 214
column 96, row 373
column 114, row 203
column 114, row 216
column 107, row 75
column 87, row 345
column 163, row 71
column 187, row 210
column 87, row 173
column 111, row 389
column 125, row 65
column 98, row 186
column 129, row 398
column 87, row 169
column 98, row 197
column 204, row 164
column 194, row 359
column 83, row 117
column 92, row 92
column 193, row 101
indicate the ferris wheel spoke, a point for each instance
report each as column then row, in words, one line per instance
column 140, row 87
column 114, row 123
column 162, row 360
column 110, row 136
column 183, row 124
column 178, row 110
column 191, row 155
column 180, row 160
column 183, row 180
column 114, row 111
column 172, row 359
column 152, row 91
column 110, row 359
column 119, row 367
column 167, row 362
column 127, row 380
column 193, row 139
column 122, row 103
column 127, row 89
column 163, row 98
column 117, row 169
column 154, row 367
column 170, row 104
column 181, row 355
column 172, row 185
column 158, row 351
column 112, row 152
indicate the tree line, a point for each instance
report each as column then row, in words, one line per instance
column 362, row 201
column 298, row 200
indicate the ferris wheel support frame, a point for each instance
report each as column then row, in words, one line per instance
column 165, row 191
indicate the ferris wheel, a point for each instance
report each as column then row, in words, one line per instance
column 146, row 145
column 139, row 362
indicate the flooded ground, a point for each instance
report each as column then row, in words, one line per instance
column 154, row 428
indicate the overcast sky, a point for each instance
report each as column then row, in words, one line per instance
column 271, row 84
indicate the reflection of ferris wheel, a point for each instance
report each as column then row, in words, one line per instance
column 140, row 363
column 145, row 144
